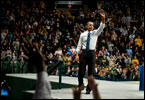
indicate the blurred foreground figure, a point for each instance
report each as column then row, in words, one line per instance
column 93, row 86
column 37, row 59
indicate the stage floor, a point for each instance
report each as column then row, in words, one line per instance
column 107, row 89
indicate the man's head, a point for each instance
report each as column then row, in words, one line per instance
column 68, row 54
column 22, row 53
column 90, row 26
column 68, row 48
column 104, row 56
column 135, row 57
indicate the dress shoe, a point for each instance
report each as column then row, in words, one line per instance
column 88, row 91
column 81, row 87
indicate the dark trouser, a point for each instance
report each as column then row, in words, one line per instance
column 87, row 57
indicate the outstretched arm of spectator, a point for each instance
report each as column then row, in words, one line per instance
column 37, row 59
column 94, row 87
column 76, row 93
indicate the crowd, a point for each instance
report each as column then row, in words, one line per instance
column 120, row 47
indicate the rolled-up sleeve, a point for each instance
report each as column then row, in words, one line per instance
column 100, row 29
column 79, row 44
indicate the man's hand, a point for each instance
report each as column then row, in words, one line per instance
column 91, row 82
column 76, row 93
column 34, row 56
column 102, row 13
column 92, row 85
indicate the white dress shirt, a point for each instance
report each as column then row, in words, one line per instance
column 93, row 38
column 43, row 87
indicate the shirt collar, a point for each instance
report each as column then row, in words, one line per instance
column 89, row 32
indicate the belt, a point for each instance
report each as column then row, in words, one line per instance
column 88, row 51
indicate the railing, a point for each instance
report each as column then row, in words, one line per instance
column 8, row 67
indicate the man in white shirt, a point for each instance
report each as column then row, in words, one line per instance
column 87, row 44
column 58, row 51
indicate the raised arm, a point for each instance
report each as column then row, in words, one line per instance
column 102, row 24
column 94, row 86
column 102, row 13
column 37, row 59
